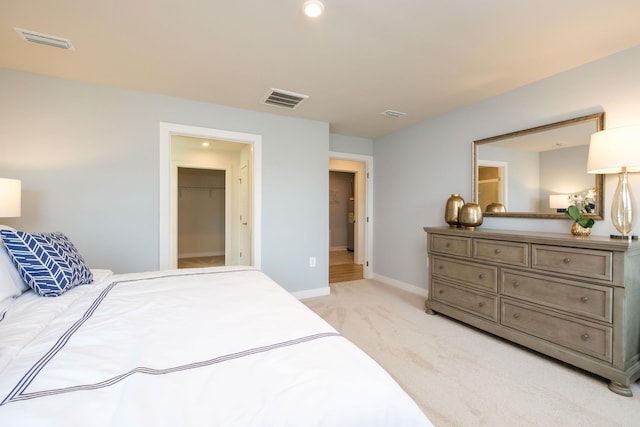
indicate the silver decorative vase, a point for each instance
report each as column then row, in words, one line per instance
column 452, row 210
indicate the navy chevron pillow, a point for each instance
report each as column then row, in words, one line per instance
column 48, row 262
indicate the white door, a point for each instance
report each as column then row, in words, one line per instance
column 244, row 209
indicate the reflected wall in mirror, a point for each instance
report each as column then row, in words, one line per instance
column 524, row 173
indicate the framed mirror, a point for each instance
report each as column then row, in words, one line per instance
column 533, row 173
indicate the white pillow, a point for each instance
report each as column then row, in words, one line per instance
column 11, row 284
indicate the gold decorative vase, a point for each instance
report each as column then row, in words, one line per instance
column 578, row 230
column 470, row 216
column 495, row 207
column 452, row 210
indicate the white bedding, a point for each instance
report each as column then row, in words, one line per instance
column 215, row 347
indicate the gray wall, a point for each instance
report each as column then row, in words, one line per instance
column 560, row 176
column 523, row 176
column 416, row 169
column 88, row 158
column 351, row 144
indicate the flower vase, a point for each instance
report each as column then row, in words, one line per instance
column 452, row 210
column 470, row 216
column 578, row 230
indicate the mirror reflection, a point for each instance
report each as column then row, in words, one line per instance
column 538, row 172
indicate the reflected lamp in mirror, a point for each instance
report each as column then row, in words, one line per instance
column 617, row 151
column 9, row 198
column 559, row 202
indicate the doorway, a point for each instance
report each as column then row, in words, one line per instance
column 492, row 183
column 239, row 156
column 202, row 225
column 350, row 204
column 342, row 220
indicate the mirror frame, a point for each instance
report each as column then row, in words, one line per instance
column 597, row 118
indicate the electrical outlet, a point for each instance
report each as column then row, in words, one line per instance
column 312, row 261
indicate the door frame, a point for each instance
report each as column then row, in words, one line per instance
column 167, row 241
column 503, row 190
column 366, row 206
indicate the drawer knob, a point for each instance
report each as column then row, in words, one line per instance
column 441, row 291
column 584, row 299
column 446, row 245
column 567, row 260
column 516, row 315
column 481, row 305
column 441, row 267
column 516, row 284
column 498, row 251
column 480, row 276
column 585, row 337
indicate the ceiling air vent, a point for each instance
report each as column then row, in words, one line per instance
column 32, row 36
column 394, row 114
column 284, row 99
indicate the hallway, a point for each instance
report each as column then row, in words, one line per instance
column 342, row 267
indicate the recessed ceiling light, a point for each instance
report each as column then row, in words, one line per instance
column 313, row 8
column 46, row 39
column 205, row 144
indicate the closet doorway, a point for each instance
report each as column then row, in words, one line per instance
column 202, row 217
column 199, row 151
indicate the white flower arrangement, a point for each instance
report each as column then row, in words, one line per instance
column 580, row 205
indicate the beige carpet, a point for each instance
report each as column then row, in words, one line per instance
column 460, row 376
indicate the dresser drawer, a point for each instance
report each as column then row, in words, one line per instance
column 512, row 253
column 578, row 298
column 482, row 276
column 450, row 245
column 478, row 303
column 579, row 262
column 582, row 336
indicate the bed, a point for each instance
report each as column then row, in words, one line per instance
column 223, row 346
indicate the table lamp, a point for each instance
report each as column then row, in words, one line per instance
column 617, row 151
column 559, row 202
column 9, row 198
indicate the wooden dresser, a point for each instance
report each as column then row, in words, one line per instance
column 576, row 299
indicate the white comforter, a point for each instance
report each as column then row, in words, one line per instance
column 214, row 347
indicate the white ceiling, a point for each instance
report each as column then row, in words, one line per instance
column 360, row 58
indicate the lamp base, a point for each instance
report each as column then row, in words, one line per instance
column 625, row 237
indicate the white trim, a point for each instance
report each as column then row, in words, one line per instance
column 368, row 190
column 312, row 293
column 401, row 285
column 167, row 245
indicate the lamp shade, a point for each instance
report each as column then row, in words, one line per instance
column 612, row 150
column 9, row 198
column 558, row 201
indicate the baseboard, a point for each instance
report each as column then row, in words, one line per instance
column 312, row 293
column 401, row 285
column 338, row 248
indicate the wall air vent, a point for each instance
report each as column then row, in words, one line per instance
column 32, row 36
column 284, row 99
column 393, row 114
